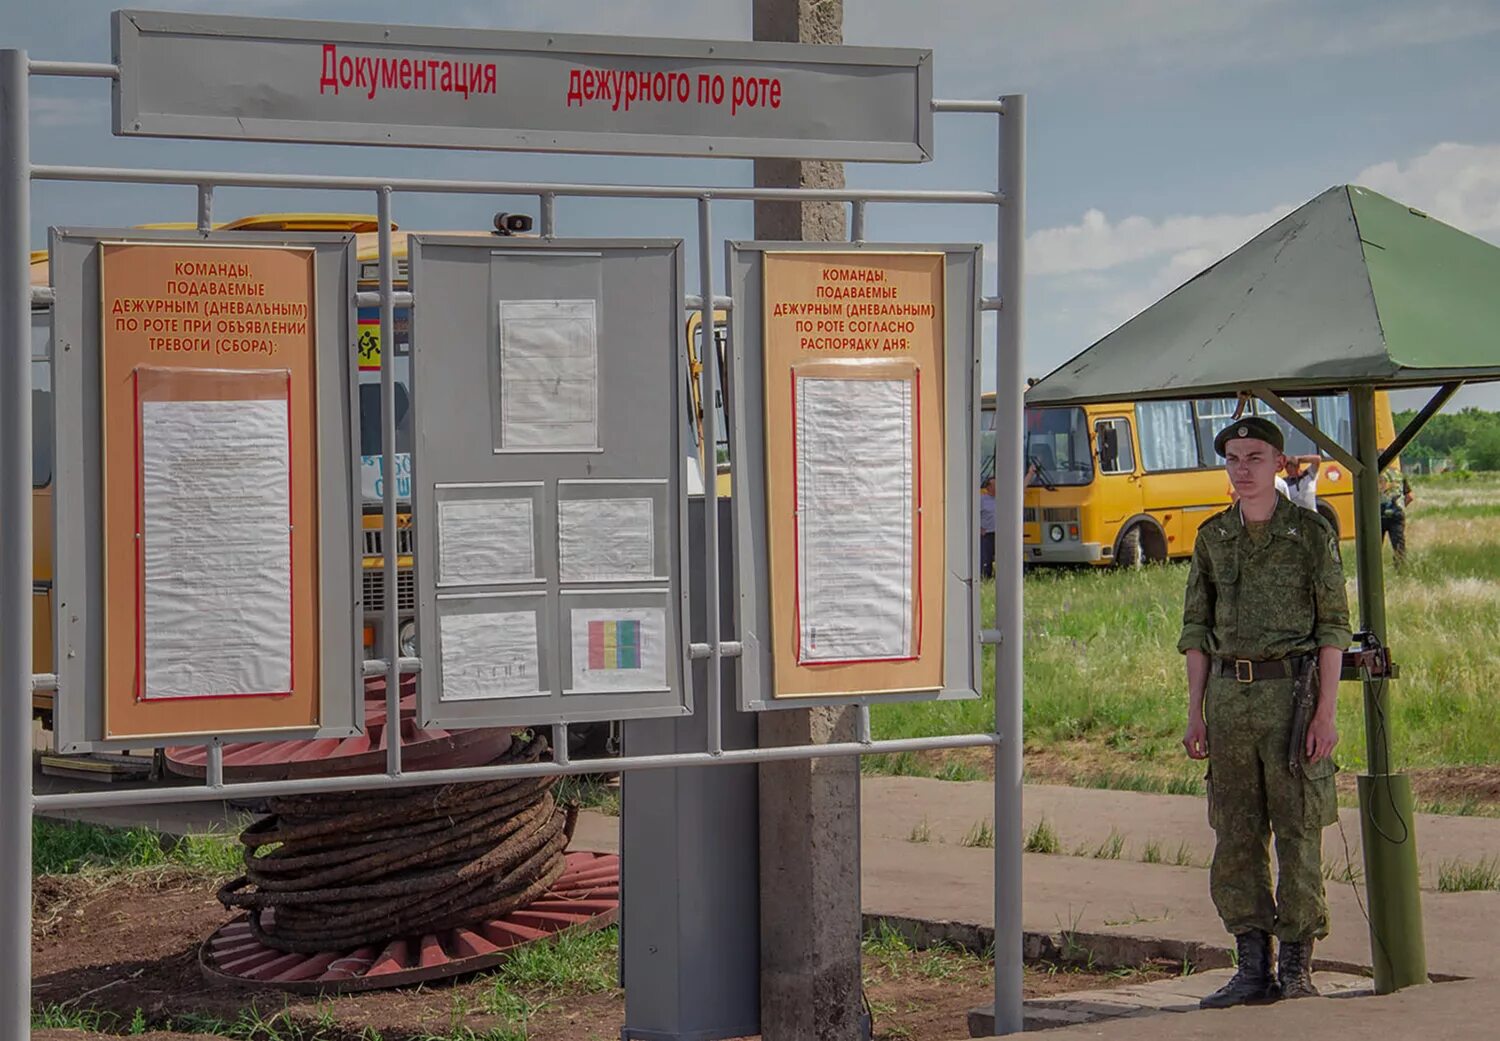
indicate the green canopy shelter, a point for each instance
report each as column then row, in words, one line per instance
column 1351, row 291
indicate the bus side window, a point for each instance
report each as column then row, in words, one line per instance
column 369, row 419
column 1113, row 439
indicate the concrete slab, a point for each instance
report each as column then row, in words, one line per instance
column 1084, row 818
column 1179, row 995
column 1466, row 1011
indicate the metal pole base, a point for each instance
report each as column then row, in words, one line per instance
column 1388, row 826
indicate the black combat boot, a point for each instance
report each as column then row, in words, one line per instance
column 1253, row 983
column 1294, row 969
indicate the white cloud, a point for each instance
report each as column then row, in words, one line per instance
column 1096, row 243
column 1098, row 272
column 1456, row 183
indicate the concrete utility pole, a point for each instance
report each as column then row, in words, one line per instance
column 809, row 809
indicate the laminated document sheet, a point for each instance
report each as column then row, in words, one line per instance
column 549, row 372
column 603, row 540
column 618, row 649
column 856, row 489
column 489, row 655
column 484, row 541
column 216, row 548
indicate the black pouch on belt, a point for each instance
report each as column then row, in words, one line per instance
column 1304, row 701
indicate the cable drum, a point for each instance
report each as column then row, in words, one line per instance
column 351, row 869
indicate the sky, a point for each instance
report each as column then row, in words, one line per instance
column 1162, row 133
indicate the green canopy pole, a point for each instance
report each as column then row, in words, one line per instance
column 1386, row 815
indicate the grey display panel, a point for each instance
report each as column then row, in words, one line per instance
column 78, row 507
column 193, row 75
column 961, row 659
column 601, row 509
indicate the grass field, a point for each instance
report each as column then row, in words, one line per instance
column 1104, row 684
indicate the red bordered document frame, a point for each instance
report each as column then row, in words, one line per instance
column 215, row 565
column 857, row 495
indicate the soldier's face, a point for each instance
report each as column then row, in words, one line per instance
column 1252, row 466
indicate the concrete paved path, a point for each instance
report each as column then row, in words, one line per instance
column 1467, row 1011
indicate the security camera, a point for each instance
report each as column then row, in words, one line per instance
column 512, row 223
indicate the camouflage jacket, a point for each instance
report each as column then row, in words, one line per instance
column 1265, row 602
column 1394, row 488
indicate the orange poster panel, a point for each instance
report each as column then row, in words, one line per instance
column 210, row 462
column 854, row 349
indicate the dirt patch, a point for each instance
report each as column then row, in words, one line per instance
column 119, row 944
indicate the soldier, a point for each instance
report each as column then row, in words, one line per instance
column 1265, row 602
column 1395, row 497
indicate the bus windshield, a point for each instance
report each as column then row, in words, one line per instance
column 1057, row 447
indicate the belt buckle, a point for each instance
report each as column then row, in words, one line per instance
column 1243, row 670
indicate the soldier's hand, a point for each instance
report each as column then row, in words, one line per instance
column 1196, row 739
column 1322, row 737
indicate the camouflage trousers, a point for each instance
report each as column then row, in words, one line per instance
column 1253, row 796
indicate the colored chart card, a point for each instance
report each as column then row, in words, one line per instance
column 482, row 541
column 216, row 548
column 855, row 485
column 549, row 371
column 619, row 649
column 604, row 540
column 489, row 655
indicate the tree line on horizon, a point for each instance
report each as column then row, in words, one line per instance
column 1465, row 440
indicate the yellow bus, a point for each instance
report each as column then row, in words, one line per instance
column 1130, row 482
column 695, row 395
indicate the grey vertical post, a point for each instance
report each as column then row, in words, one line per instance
column 205, row 208
column 548, row 207
column 392, row 615
column 708, row 358
column 809, row 810
column 15, row 551
column 1010, row 385
column 857, row 221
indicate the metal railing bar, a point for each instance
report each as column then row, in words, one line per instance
column 85, row 69
column 371, row 298
column 960, row 105
column 367, row 782
column 332, row 182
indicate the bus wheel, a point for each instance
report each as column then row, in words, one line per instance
column 1131, row 552
column 1326, row 512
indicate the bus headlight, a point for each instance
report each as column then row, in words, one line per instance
column 1056, row 533
column 409, row 638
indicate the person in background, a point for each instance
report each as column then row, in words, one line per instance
column 1302, row 480
column 987, row 528
column 1395, row 497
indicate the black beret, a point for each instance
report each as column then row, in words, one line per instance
column 1258, row 427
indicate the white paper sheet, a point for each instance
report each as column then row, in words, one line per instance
column 549, row 369
column 855, row 441
column 606, row 540
column 490, row 655
column 217, row 546
column 485, row 540
column 619, row 649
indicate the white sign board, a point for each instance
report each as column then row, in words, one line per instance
column 264, row 79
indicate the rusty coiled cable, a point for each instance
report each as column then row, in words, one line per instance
column 355, row 869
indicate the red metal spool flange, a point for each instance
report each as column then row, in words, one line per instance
column 421, row 748
column 585, row 898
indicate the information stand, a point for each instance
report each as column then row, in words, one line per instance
column 214, row 442
column 549, row 500
column 858, row 365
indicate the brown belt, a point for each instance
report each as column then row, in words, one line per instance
column 1247, row 671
